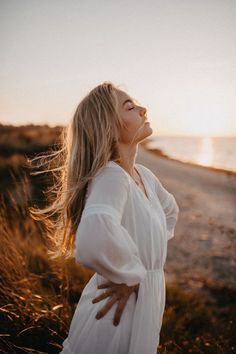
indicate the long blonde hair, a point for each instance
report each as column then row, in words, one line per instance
column 88, row 142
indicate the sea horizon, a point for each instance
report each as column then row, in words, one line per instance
column 215, row 151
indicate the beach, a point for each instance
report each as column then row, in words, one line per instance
column 203, row 249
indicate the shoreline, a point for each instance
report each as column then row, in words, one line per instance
column 160, row 153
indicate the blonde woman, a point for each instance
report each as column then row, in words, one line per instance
column 116, row 218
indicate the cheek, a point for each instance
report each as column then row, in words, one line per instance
column 132, row 123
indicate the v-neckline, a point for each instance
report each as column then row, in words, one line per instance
column 145, row 195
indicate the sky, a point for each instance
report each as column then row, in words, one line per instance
column 176, row 57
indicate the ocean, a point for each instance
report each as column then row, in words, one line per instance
column 219, row 152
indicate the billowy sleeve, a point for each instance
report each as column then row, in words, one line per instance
column 102, row 243
column 169, row 205
column 167, row 201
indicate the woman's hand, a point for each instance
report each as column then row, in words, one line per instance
column 120, row 293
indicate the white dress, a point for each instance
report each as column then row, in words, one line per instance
column 122, row 236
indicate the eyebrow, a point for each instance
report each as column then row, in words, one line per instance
column 128, row 100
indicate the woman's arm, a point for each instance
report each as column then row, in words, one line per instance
column 170, row 207
column 167, row 201
column 102, row 243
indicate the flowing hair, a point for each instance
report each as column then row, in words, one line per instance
column 88, row 142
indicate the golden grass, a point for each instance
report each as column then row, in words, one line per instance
column 38, row 296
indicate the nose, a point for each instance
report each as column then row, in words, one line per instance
column 143, row 111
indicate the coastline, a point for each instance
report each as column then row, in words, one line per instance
column 160, row 153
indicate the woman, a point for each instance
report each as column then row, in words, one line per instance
column 115, row 217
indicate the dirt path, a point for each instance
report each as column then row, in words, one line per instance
column 203, row 249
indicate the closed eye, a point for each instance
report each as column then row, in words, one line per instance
column 131, row 108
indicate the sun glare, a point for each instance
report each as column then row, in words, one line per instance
column 206, row 152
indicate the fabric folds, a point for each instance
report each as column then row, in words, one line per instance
column 113, row 254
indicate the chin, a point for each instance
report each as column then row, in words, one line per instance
column 150, row 131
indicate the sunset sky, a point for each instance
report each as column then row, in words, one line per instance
column 176, row 57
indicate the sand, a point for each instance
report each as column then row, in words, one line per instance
column 203, row 249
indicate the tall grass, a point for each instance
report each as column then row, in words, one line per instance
column 38, row 296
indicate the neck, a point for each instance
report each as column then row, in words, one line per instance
column 128, row 156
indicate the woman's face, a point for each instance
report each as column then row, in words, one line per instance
column 134, row 116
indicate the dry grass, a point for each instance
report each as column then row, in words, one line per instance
column 38, row 296
column 197, row 323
